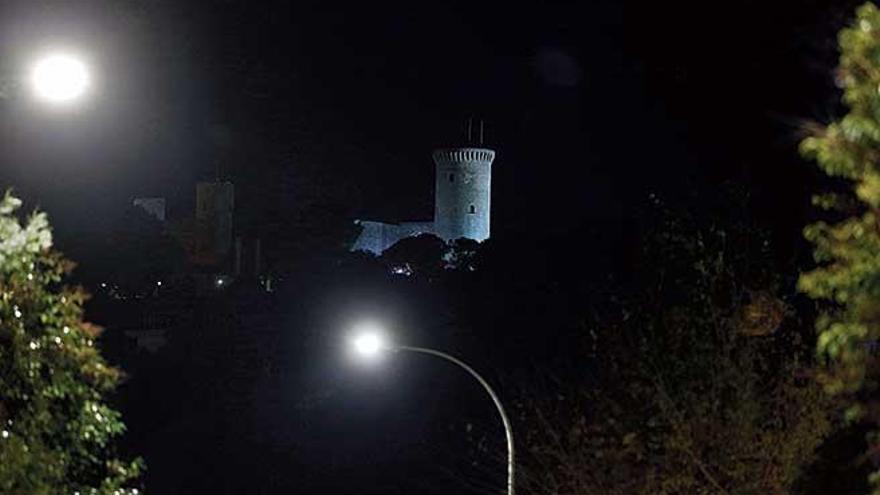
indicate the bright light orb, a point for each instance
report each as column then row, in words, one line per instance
column 60, row 78
column 368, row 344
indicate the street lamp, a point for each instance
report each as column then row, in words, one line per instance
column 370, row 344
column 56, row 78
column 59, row 78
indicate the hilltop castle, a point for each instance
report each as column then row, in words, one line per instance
column 462, row 199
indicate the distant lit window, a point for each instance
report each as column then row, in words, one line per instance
column 472, row 209
column 451, row 177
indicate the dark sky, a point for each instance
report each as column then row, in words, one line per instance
column 589, row 104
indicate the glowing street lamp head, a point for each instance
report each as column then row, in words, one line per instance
column 60, row 78
column 368, row 341
column 368, row 344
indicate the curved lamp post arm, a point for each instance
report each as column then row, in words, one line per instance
column 508, row 431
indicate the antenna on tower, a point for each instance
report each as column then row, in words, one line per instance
column 481, row 132
column 470, row 126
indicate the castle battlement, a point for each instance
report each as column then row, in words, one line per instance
column 457, row 155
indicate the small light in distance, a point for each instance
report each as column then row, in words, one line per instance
column 159, row 283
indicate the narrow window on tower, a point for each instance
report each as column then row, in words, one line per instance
column 472, row 209
column 451, row 177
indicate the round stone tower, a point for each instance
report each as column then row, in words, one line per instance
column 462, row 193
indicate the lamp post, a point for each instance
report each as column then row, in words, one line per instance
column 371, row 344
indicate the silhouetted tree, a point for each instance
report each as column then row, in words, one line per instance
column 462, row 254
column 421, row 255
column 699, row 381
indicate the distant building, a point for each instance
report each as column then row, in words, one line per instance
column 462, row 203
column 153, row 206
column 247, row 260
column 215, row 204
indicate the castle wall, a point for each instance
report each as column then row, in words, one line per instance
column 153, row 206
column 376, row 237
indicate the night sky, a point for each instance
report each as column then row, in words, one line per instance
column 589, row 104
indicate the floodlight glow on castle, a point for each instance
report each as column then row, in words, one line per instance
column 60, row 78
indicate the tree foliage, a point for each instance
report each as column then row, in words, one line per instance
column 846, row 281
column 56, row 427
column 700, row 382
column 422, row 255
column 848, row 250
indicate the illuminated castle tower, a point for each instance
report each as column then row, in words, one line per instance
column 463, row 190
column 462, row 194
